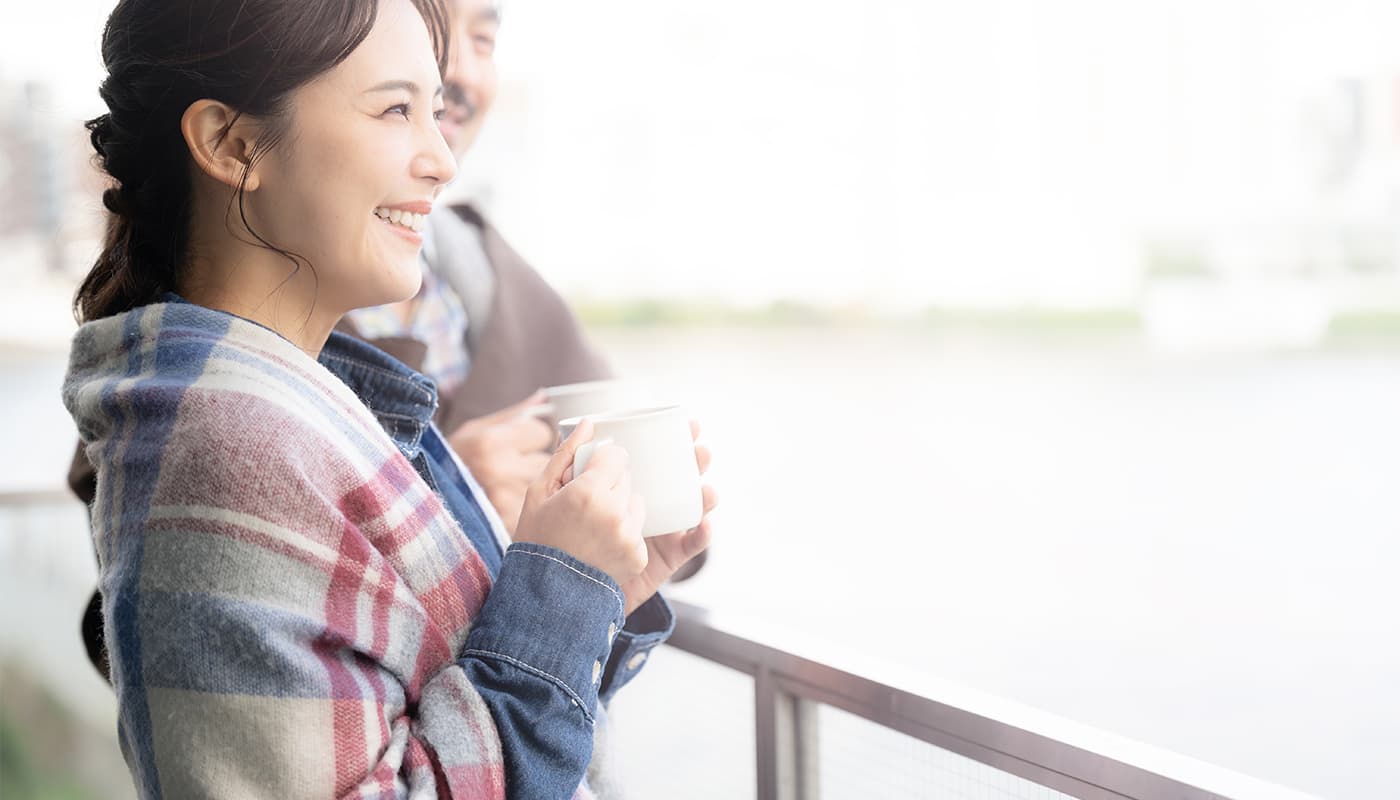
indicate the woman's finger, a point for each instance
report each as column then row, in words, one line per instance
column 709, row 498
column 606, row 467
column 559, row 470
column 702, row 458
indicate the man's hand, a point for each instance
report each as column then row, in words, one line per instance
column 505, row 451
column 669, row 552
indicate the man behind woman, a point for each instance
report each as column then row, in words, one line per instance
column 304, row 595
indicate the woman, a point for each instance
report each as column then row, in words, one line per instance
column 303, row 596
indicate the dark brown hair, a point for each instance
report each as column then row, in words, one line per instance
column 161, row 57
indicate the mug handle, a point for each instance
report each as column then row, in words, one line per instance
column 585, row 452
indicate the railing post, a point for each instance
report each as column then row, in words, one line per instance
column 806, row 747
column 773, row 759
column 787, row 743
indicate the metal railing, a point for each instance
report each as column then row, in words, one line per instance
column 1045, row 750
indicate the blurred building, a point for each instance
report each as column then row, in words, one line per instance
column 52, row 192
column 32, row 174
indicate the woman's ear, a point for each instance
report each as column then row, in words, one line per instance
column 221, row 142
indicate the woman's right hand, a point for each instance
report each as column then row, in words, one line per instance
column 594, row 516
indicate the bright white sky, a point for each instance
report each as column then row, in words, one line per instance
column 887, row 152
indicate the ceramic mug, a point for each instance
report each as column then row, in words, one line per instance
column 661, row 458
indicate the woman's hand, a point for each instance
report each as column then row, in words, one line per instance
column 594, row 516
column 669, row 552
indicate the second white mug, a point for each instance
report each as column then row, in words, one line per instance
column 592, row 397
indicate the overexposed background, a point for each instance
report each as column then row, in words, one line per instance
column 1047, row 347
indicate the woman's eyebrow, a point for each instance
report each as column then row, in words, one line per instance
column 394, row 86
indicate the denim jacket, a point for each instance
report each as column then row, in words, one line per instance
column 536, row 647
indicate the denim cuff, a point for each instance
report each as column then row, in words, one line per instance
column 647, row 626
column 553, row 616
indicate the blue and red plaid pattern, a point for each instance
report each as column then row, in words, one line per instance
column 287, row 599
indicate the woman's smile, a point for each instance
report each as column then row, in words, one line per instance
column 407, row 220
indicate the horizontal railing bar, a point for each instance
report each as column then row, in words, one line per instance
column 36, row 497
column 996, row 732
column 1021, row 767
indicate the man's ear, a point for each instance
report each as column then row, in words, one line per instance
column 221, row 142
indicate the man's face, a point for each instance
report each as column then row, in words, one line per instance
column 470, row 83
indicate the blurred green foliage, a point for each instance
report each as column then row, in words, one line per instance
column 48, row 753
column 1376, row 324
column 22, row 776
column 789, row 313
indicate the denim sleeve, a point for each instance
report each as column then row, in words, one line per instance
column 647, row 626
column 536, row 654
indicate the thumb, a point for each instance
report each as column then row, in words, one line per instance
column 560, row 468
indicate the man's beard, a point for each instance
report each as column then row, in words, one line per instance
column 455, row 96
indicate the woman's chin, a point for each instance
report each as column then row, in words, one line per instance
column 405, row 280
column 408, row 291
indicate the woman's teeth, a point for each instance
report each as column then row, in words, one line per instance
column 406, row 219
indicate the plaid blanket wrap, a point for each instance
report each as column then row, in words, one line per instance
column 285, row 596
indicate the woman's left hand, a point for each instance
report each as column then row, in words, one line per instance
column 670, row 551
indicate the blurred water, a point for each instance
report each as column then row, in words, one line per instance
column 1197, row 554
column 36, row 433
column 47, row 572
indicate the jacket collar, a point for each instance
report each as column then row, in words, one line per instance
column 402, row 400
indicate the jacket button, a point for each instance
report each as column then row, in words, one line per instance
column 637, row 661
column 612, row 632
column 597, row 670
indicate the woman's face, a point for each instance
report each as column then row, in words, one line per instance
column 362, row 162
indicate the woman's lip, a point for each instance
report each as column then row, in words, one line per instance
column 412, row 236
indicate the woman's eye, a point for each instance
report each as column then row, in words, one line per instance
column 440, row 114
column 401, row 109
column 485, row 44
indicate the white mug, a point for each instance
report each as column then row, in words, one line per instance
column 592, row 397
column 661, row 458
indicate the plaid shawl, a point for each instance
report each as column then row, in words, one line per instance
column 286, row 597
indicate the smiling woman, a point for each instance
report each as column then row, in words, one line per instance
column 312, row 155
column 215, row 93
column 303, row 594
